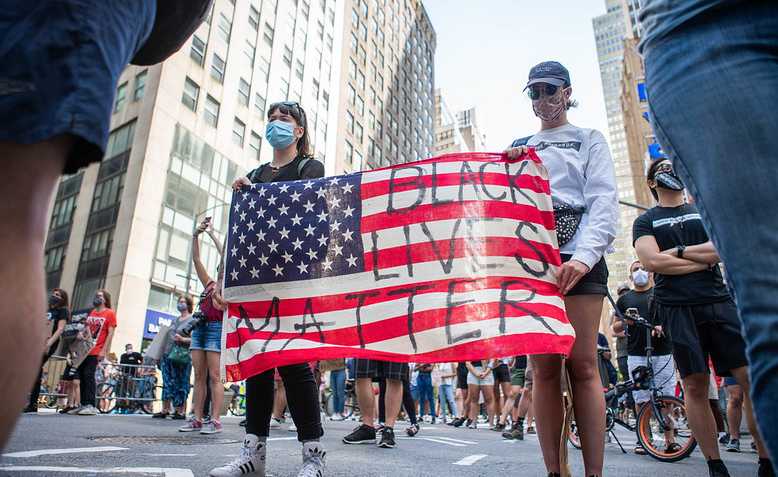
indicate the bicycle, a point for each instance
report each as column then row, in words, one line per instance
column 237, row 405
column 350, row 406
column 661, row 414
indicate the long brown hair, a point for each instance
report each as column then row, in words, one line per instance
column 296, row 111
column 106, row 296
column 64, row 301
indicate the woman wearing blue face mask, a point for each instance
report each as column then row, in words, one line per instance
column 287, row 132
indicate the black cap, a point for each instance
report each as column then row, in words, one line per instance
column 551, row 72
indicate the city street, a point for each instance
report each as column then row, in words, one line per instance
column 65, row 446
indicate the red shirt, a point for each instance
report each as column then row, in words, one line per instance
column 206, row 303
column 99, row 322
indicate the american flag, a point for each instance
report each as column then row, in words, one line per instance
column 447, row 259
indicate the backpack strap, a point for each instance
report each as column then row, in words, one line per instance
column 301, row 166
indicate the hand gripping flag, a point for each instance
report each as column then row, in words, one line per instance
column 447, row 259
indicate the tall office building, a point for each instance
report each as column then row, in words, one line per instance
column 183, row 130
column 455, row 131
column 610, row 30
column 385, row 110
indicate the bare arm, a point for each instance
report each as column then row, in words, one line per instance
column 57, row 333
column 471, row 368
column 108, row 341
column 216, row 242
column 655, row 261
column 202, row 274
column 703, row 253
column 618, row 328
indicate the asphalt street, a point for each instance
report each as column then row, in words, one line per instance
column 64, row 446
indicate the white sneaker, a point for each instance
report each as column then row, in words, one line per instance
column 88, row 411
column 292, row 427
column 75, row 411
column 275, row 423
column 251, row 460
column 313, row 460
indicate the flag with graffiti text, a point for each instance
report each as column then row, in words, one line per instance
column 447, row 259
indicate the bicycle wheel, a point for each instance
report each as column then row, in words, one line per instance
column 350, row 406
column 329, row 404
column 655, row 440
column 106, row 398
column 238, row 406
column 147, row 407
column 573, row 437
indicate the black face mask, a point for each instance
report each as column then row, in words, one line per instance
column 668, row 180
column 53, row 300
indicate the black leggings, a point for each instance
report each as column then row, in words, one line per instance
column 408, row 402
column 88, row 385
column 302, row 396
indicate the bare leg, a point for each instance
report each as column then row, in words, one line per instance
column 741, row 374
column 367, row 405
column 200, row 373
column 508, row 407
column 393, row 400
column 489, row 401
column 473, row 393
column 217, row 390
column 734, row 410
column 547, row 371
column 700, row 416
column 30, row 175
column 279, row 403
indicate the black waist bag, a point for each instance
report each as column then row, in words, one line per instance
column 175, row 22
column 567, row 219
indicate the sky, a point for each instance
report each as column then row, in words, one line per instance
column 485, row 49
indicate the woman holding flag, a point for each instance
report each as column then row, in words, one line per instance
column 287, row 133
column 583, row 189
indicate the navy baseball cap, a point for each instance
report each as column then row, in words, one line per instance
column 551, row 72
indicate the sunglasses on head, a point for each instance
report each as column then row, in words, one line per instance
column 536, row 91
column 294, row 105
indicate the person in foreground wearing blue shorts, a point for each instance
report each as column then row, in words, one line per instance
column 60, row 64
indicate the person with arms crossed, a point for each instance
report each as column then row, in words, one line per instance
column 693, row 304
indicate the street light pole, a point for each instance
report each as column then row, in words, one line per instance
column 630, row 204
column 191, row 246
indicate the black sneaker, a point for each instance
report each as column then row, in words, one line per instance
column 30, row 410
column 412, row 430
column 387, row 438
column 361, row 435
column 516, row 433
column 724, row 439
column 458, row 422
column 498, row 427
column 716, row 468
column 765, row 468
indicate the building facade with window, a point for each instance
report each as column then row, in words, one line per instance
column 181, row 132
column 455, row 132
column 386, row 88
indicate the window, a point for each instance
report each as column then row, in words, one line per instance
column 238, row 132
column 254, row 18
column 361, row 81
column 197, row 52
column 191, row 93
column 320, row 30
column 244, row 90
column 264, row 67
column 372, row 96
column 358, row 132
column 268, row 34
column 255, row 142
column 371, row 120
column 352, row 69
column 259, row 104
column 329, row 42
column 217, row 68
column 349, row 122
column 363, row 7
column 349, row 154
column 363, row 31
column 249, row 50
column 362, row 56
column 299, row 69
column 284, row 88
column 357, row 161
column 121, row 97
column 140, row 85
column 225, row 26
column 360, row 106
column 352, row 95
column 354, row 19
column 211, row 111
column 354, row 42
column 287, row 56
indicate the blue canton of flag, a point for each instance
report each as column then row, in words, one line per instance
column 300, row 230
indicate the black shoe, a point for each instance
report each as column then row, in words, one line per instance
column 724, row 439
column 553, row 474
column 412, row 430
column 361, row 435
column 178, row 417
column 159, row 415
column 30, row 410
column 516, row 433
column 716, row 468
column 458, row 422
column 387, row 438
column 242, row 423
column 765, row 468
column 498, row 427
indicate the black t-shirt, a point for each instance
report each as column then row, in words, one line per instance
column 673, row 226
column 636, row 344
column 134, row 358
column 520, row 362
column 55, row 315
column 312, row 169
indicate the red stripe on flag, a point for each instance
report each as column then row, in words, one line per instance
column 482, row 249
column 395, row 327
column 457, row 210
column 404, row 183
column 327, row 303
column 509, row 345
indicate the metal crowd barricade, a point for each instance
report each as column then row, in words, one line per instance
column 51, row 389
column 126, row 388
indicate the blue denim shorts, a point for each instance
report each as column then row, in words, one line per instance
column 60, row 61
column 207, row 337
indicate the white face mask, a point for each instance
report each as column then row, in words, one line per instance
column 640, row 278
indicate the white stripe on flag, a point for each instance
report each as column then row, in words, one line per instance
column 405, row 171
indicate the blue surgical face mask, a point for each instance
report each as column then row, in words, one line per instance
column 280, row 134
column 640, row 277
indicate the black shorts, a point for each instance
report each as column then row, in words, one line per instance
column 593, row 283
column 502, row 374
column 461, row 378
column 371, row 368
column 700, row 332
